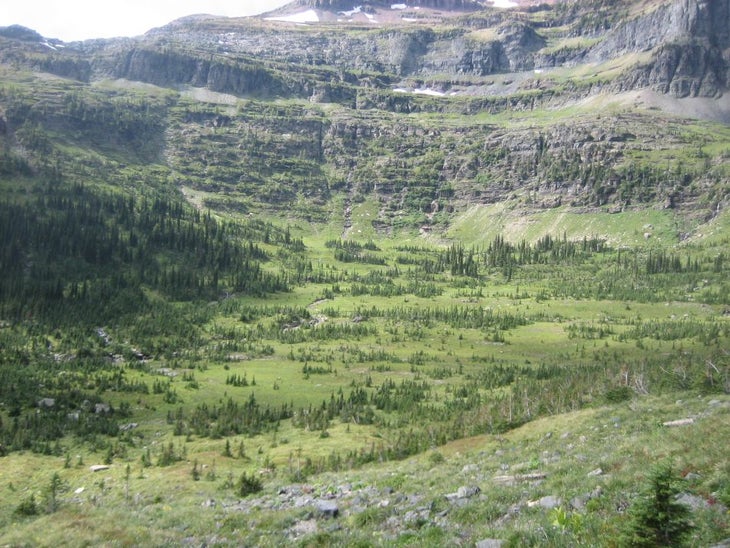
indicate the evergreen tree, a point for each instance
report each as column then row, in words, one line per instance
column 657, row 519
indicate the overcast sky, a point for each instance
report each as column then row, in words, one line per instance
column 72, row 20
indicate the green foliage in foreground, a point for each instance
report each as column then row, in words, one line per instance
column 657, row 519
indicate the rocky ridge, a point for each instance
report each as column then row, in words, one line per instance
column 358, row 88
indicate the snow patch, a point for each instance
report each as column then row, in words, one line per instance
column 309, row 16
column 350, row 13
column 49, row 45
column 504, row 4
column 398, row 6
column 421, row 91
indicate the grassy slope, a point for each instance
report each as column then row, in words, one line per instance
column 624, row 441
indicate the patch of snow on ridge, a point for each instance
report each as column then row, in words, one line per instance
column 504, row 4
column 351, row 12
column 398, row 6
column 421, row 91
column 309, row 16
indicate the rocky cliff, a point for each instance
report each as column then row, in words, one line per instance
column 677, row 47
column 689, row 44
column 421, row 116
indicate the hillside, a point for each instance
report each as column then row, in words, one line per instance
column 435, row 273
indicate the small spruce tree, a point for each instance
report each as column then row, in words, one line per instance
column 248, row 485
column 657, row 519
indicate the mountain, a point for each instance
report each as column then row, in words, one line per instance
column 347, row 90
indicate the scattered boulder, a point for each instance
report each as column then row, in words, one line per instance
column 579, row 502
column 46, row 403
column 327, row 508
column 596, row 472
column 102, row 408
column 679, row 422
column 520, row 477
column 693, row 501
column 490, row 543
column 549, row 502
column 464, row 492
column 98, row 467
column 468, row 491
column 302, row 528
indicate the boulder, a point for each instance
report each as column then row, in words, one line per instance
column 327, row 508
column 98, row 467
column 490, row 543
column 549, row 502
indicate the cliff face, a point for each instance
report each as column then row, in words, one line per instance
column 682, row 48
column 402, row 111
column 170, row 68
column 690, row 40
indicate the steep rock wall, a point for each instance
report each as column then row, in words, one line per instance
column 691, row 40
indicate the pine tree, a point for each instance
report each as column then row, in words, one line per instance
column 657, row 519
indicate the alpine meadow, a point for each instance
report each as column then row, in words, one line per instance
column 440, row 273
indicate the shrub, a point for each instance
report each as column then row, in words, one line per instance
column 619, row 394
column 436, row 458
column 248, row 485
column 657, row 519
column 27, row 508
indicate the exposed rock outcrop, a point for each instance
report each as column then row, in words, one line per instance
column 691, row 44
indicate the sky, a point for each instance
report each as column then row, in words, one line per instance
column 71, row 20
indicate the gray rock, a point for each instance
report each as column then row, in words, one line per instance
column 306, row 527
column 596, row 472
column 301, row 501
column 98, row 467
column 692, row 501
column 459, row 502
column 102, row 408
column 490, row 543
column 463, row 493
column 416, row 516
column 579, row 503
column 327, row 508
column 549, row 502
column 468, row 491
